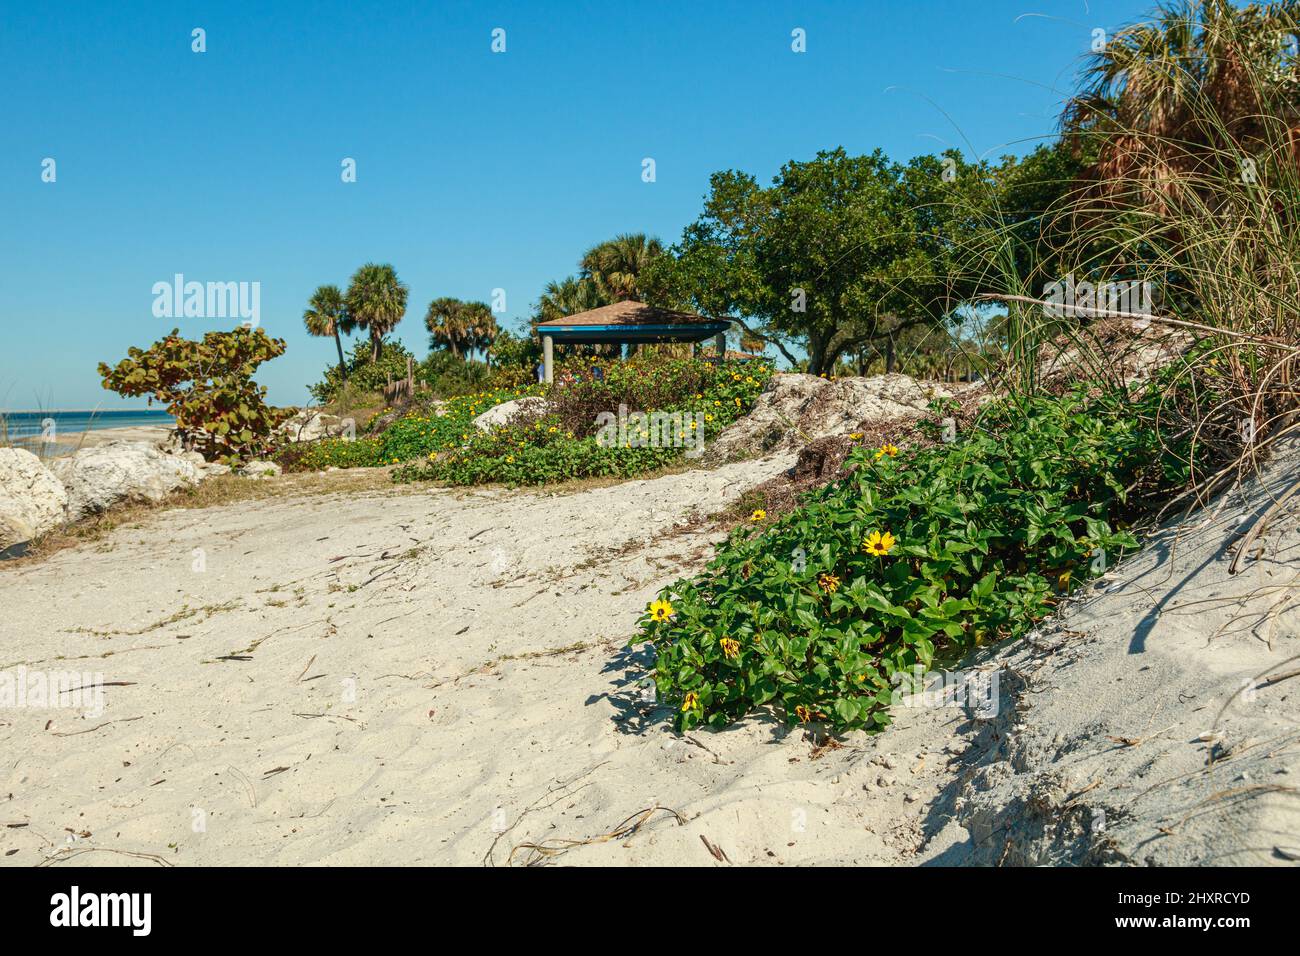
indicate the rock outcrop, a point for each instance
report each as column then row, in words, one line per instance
column 98, row 478
column 311, row 424
column 501, row 414
column 32, row 500
column 795, row 409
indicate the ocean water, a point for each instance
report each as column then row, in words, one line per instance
column 26, row 426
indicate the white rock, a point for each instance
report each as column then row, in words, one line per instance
column 310, row 424
column 99, row 477
column 260, row 469
column 500, row 414
column 795, row 409
column 32, row 500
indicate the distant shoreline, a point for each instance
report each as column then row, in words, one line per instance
column 83, row 411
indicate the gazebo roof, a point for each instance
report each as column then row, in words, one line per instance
column 631, row 321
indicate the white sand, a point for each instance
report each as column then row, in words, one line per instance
column 440, row 677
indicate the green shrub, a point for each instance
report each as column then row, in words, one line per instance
column 565, row 444
column 330, row 452
column 418, row 434
column 923, row 555
column 363, row 375
column 449, row 375
column 208, row 387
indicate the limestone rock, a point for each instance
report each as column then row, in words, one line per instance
column 32, row 500
column 795, row 409
column 120, row 471
column 311, row 424
column 501, row 414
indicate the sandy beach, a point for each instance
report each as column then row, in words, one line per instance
column 68, row 443
column 441, row 677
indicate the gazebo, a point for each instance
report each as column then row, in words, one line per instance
column 627, row 323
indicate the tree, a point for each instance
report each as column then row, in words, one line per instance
column 615, row 265
column 445, row 320
column 568, row 297
column 480, row 328
column 825, row 259
column 208, row 387
column 326, row 315
column 462, row 327
column 376, row 302
column 1200, row 79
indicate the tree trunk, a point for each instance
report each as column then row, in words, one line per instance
column 343, row 366
column 816, row 355
column 891, row 356
column 376, row 347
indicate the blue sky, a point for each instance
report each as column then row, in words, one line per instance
column 475, row 170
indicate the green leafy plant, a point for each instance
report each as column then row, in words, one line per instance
column 914, row 557
column 208, row 387
column 566, row 444
column 362, row 374
column 420, row 433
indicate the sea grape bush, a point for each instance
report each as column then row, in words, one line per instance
column 208, row 387
column 916, row 555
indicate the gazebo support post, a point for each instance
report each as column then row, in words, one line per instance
column 720, row 343
column 548, row 359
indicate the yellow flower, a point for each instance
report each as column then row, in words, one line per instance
column 758, row 515
column 660, row 610
column 803, row 713
column 708, row 417
column 887, row 449
column 510, row 458
column 691, row 702
column 829, row 583
column 879, row 544
column 730, row 646
column 856, row 436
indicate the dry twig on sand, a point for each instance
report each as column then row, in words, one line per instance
column 539, row 853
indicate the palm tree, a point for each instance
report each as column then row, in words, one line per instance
column 462, row 327
column 568, row 297
column 480, row 327
column 1202, row 76
column 325, row 315
column 376, row 302
column 614, row 265
column 445, row 320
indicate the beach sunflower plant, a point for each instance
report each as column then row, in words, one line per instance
column 915, row 558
